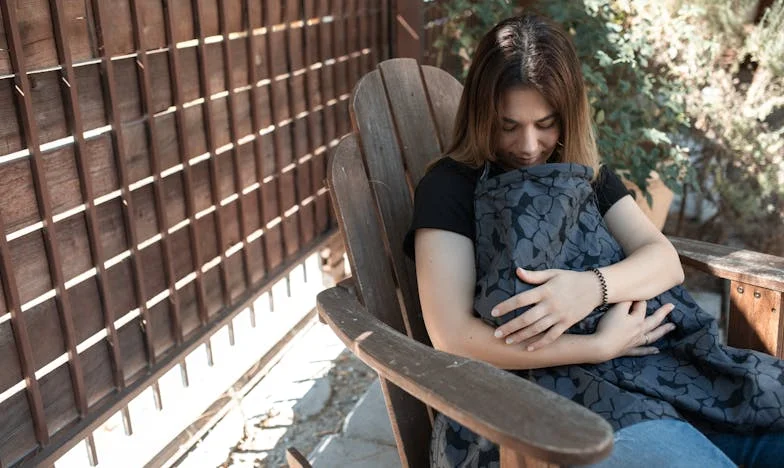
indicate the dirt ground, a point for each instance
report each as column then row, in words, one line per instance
column 348, row 378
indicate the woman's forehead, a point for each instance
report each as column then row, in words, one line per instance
column 524, row 103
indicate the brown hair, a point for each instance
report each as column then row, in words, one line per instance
column 529, row 51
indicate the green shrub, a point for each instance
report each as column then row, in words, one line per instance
column 677, row 87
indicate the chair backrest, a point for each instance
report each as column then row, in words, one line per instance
column 402, row 119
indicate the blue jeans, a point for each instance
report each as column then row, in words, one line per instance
column 670, row 443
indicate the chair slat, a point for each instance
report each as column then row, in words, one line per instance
column 414, row 125
column 373, row 122
column 358, row 220
column 444, row 92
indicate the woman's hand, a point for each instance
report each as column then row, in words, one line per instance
column 562, row 299
column 624, row 330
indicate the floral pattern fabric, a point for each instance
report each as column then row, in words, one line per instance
column 546, row 216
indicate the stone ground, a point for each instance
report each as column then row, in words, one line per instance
column 347, row 380
column 303, row 399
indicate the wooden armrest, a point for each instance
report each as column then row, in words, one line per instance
column 745, row 266
column 348, row 284
column 511, row 411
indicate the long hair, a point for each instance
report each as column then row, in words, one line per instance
column 529, row 51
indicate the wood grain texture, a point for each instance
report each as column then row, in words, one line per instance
column 755, row 318
column 543, row 424
column 412, row 427
column 358, row 221
column 735, row 264
column 410, row 109
column 444, row 93
column 356, row 214
column 373, row 122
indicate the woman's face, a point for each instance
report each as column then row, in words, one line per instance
column 529, row 128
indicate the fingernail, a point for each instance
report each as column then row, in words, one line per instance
column 519, row 270
column 498, row 333
column 494, row 312
column 530, row 348
column 509, row 340
column 655, row 351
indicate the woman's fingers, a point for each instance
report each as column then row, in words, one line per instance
column 551, row 335
column 521, row 323
column 532, row 296
column 639, row 307
column 642, row 351
column 535, row 277
column 657, row 333
column 660, row 314
column 534, row 329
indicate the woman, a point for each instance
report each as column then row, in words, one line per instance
column 522, row 186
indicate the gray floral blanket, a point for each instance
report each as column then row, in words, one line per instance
column 547, row 217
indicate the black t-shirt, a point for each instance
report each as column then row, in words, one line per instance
column 444, row 198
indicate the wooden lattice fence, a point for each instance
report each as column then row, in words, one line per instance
column 161, row 162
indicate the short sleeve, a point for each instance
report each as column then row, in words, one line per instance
column 443, row 200
column 609, row 189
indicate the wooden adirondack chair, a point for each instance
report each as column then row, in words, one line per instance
column 402, row 117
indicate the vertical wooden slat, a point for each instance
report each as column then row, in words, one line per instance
column 118, row 138
column 209, row 125
column 373, row 121
column 143, row 73
column 235, row 151
column 407, row 97
column 92, row 451
column 356, row 213
column 183, row 143
column 76, row 127
column 30, row 130
column 274, row 116
column 383, row 27
column 408, row 29
column 444, row 92
column 297, row 60
column 314, row 102
column 755, row 318
column 340, row 67
column 23, row 347
column 258, row 150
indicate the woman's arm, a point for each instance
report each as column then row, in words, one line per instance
column 651, row 265
column 565, row 297
column 447, row 279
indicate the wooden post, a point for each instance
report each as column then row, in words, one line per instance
column 407, row 28
column 755, row 318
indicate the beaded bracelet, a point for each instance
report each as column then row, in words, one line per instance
column 604, row 306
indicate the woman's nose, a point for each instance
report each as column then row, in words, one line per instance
column 527, row 143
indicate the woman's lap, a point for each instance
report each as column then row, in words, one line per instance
column 663, row 442
column 668, row 443
column 752, row 450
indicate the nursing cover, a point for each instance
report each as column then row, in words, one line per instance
column 546, row 216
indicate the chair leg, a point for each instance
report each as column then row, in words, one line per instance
column 295, row 459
